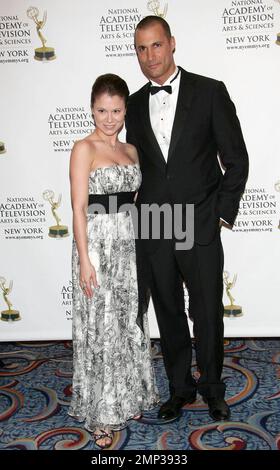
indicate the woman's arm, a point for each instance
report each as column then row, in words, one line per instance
column 80, row 165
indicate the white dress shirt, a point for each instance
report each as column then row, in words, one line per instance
column 162, row 108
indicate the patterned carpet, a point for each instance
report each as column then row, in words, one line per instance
column 35, row 389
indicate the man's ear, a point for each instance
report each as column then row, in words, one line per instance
column 173, row 44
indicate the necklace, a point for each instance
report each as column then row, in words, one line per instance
column 113, row 147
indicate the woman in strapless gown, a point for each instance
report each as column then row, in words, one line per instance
column 113, row 377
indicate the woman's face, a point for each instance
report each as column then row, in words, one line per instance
column 109, row 112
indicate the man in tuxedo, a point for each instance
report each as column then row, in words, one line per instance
column 183, row 125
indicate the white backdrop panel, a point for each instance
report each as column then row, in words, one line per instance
column 45, row 108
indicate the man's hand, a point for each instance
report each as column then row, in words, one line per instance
column 223, row 223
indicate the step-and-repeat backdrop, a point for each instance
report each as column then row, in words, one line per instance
column 50, row 54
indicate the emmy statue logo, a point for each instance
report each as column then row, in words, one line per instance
column 10, row 314
column 41, row 53
column 277, row 188
column 278, row 35
column 231, row 310
column 2, row 147
column 154, row 7
column 55, row 231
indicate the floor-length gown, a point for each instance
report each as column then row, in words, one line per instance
column 113, row 377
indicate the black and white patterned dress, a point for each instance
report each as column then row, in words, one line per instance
column 113, row 377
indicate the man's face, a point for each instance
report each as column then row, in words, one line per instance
column 155, row 53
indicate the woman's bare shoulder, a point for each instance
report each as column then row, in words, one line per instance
column 82, row 154
column 84, row 145
column 132, row 152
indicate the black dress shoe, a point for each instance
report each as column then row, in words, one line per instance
column 218, row 408
column 172, row 408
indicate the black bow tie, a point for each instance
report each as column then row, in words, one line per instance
column 156, row 89
column 167, row 88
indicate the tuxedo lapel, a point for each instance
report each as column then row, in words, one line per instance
column 185, row 95
column 156, row 153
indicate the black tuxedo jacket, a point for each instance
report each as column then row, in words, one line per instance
column 205, row 128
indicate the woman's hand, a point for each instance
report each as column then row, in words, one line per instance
column 87, row 278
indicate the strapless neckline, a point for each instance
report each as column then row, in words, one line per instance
column 113, row 166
